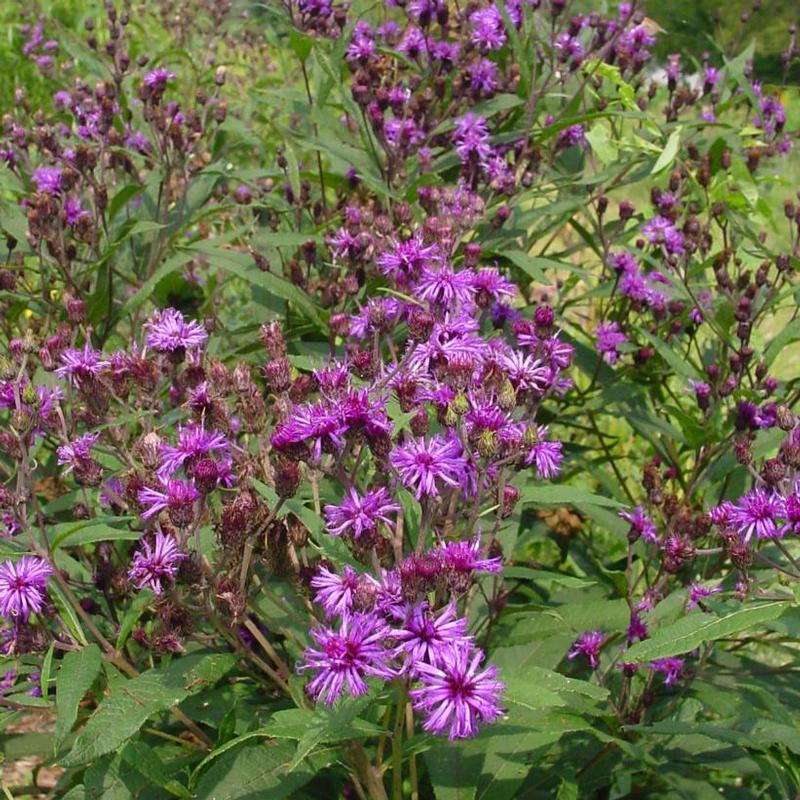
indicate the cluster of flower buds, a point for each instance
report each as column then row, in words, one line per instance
column 77, row 162
column 411, row 75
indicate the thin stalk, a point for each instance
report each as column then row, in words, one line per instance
column 397, row 749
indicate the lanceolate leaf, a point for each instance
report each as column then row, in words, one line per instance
column 549, row 495
column 75, row 677
column 698, row 628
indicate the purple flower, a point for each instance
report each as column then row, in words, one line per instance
column 157, row 79
column 176, row 496
column 78, row 365
column 637, row 628
column 673, row 68
column 702, row 393
column 169, row 332
column 74, row 210
column 792, row 510
column 22, row 586
column 194, row 443
column 347, row 656
column 405, row 260
column 426, row 639
column 139, row 142
column 661, row 231
column 698, row 592
column 488, row 29
column 113, row 494
column 570, row 137
column 152, row 564
column 73, row 453
column 335, row 592
column 711, row 76
column 756, row 513
column 486, row 417
column 526, row 372
column 588, row 645
column 463, row 558
column 641, row 525
column 34, row 680
column 456, row 696
column 483, row 76
column 423, row 10
column 319, row 425
column 545, row 454
column 362, row 49
column 47, row 180
column 609, row 336
column 773, row 115
column 424, row 464
column 445, row 52
column 472, row 138
column 670, row 668
column 446, row 287
column 9, row 525
column 377, row 315
column 569, row 48
column 412, row 43
column 360, row 514
column 488, row 281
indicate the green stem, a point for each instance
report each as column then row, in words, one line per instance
column 397, row 747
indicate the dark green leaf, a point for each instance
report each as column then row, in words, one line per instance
column 75, row 677
column 133, row 702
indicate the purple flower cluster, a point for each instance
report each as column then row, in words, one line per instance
column 382, row 634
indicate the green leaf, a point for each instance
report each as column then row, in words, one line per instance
column 530, row 264
column 145, row 291
column 67, row 613
column 241, row 264
column 695, row 629
column 122, row 198
column 680, row 365
column 254, row 771
column 293, row 169
column 599, row 137
column 568, row 788
column 132, row 702
column 543, row 576
column 76, row 676
column 146, row 761
column 549, row 495
column 301, row 44
column 668, row 154
column 135, row 610
column 70, row 534
column 44, row 674
column 455, row 768
column 789, row 333
column 328, row 726
column 535, row 688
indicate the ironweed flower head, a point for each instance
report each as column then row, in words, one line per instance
column 588, row 645
column 169, row 332
column 155, row 563
column 22, row 587
column 456, row 696
column 347, row 656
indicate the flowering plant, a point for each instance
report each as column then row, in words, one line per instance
column 419, row 430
